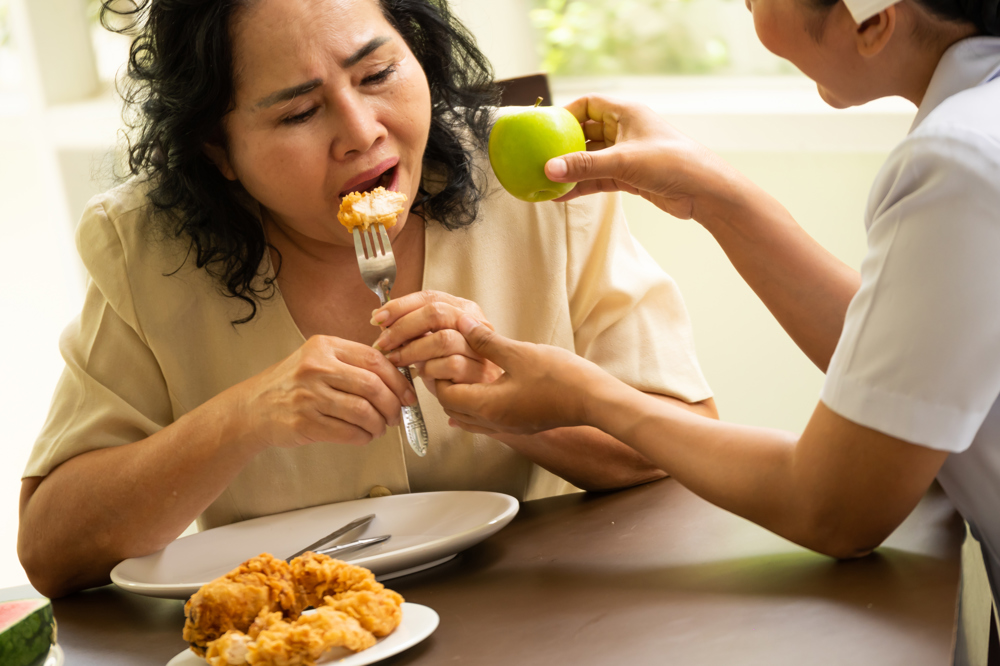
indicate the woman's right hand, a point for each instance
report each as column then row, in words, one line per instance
column 631, row 149
column 328, row 390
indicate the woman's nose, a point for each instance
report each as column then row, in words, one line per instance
column 357, row 127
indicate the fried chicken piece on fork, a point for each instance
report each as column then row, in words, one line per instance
column 363, row 209
column 233, row 601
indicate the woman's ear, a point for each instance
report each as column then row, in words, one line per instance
column 220, row 158
column 873, row 35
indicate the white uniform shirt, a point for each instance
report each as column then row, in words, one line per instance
column 919, row 357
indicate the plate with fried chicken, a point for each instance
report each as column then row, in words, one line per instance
column 424, row 529
column 310, row 610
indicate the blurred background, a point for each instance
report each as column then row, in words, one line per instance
column 697, row 62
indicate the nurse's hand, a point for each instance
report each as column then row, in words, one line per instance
column 541, row 388
column 421, row 329
column 631, row 149
column 328, row 390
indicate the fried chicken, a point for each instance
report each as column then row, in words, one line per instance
column 302, row 642
column 378, row 611
column 272, row 641
column 380, row 206
column 234, row 601
column 230, row 649
column 318, row 576
column 253, row 615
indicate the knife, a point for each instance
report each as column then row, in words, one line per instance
column 353, row 545
column 354, row 524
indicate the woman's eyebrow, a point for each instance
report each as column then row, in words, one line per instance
column 288, row 93
column 363, row 52
column 303, row 88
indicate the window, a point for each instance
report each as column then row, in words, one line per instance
column 595, row 38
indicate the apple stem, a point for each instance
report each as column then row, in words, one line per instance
column 538, row 101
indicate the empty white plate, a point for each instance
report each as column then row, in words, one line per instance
column 426, row 529
column 418, row 623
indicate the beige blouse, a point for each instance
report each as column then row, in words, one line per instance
column 154, row 342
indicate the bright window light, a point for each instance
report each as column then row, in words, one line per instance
column 650, row 37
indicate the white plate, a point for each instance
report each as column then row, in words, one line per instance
column 426, row 529
column 418, row 623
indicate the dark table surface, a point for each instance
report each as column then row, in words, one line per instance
column 651, row 575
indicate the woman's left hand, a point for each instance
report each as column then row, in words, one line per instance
column 421, row 329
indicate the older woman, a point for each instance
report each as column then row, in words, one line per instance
column 222, row 367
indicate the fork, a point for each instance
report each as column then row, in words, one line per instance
column 378, row 270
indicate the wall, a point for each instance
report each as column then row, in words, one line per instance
column 758, row 374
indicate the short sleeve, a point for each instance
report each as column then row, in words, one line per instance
column 919, row 356
column 628, row 316
column 112, row 391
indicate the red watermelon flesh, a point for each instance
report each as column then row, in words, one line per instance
column 27, row 631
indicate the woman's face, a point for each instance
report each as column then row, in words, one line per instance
column 329, row 100
column 829, row 57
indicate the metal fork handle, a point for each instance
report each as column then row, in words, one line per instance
column 378, row 270
column 413, row 417
column 413, row 422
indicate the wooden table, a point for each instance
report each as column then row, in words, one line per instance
column 651, row 575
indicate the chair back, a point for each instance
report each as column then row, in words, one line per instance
column 524, row 90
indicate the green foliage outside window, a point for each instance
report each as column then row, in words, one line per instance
column 650, row 37
column 600, row 37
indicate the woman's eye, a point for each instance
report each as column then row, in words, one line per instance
column 379, row 77
column 300, row 118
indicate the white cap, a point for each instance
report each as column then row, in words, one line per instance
column 862, row 10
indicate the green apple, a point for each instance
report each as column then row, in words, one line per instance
column 523, row 139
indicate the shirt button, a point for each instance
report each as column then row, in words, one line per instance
column 379, row 491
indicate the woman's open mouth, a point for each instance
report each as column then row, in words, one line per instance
column 384, row 176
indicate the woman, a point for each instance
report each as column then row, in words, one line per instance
column 222, row 367
column 911, row 347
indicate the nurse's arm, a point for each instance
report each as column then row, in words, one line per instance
column 839, row 489
column 594, row 460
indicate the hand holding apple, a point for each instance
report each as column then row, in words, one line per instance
column 632, row 149
column 524, row 139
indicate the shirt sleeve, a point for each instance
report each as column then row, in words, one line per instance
column 112, row 391
column 919, row 356
column 628, row 316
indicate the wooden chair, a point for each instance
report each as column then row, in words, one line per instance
column 524, row 90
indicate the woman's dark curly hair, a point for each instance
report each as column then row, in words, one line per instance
column 180, row 86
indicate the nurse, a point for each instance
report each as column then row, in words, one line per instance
column 910, row 347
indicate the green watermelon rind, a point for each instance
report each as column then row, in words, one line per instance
column 27, row 641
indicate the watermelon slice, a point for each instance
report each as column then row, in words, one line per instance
column 27, row 632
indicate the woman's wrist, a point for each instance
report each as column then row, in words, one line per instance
column 230, row 426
